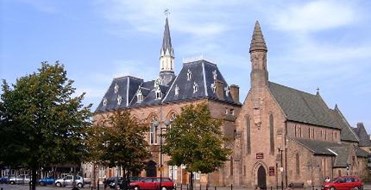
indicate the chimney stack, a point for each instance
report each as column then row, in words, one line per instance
column 219, row 89
column 235, row 93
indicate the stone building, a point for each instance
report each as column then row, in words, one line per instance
column 282, row 135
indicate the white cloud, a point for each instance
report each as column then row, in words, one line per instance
column 315, row 16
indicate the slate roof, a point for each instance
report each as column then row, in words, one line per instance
column 302, row 107
column 364, row 137
column 202, row 74
column 347, row 133
column 341, row 151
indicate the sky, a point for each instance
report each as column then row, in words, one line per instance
column 312, row 44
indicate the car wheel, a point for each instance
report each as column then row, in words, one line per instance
column 12, row 182
column 79, row 185
column 163, row 188
column 332, row 188
column 42, row 183
column 136, row 188
column 58, row 184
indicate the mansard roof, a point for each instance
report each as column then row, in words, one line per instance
column 347, row 133
column 302, row 107
column 364, row 137
column 200, row 73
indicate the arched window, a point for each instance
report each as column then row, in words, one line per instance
column 271, row 133
column 297, row 164
column 152, row 134
column 248, row 139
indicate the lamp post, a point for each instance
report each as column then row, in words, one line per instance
column 158, row 124
column 281, row 168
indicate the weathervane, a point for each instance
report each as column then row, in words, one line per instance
column 166, row 12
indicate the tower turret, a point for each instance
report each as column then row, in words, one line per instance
column 166, row 57
column 258, row 57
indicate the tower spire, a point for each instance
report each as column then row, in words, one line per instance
column 166, row 54
column 257, row 41
column 258, row 56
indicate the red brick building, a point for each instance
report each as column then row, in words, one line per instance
column 282, row 135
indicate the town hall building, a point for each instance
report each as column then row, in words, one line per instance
column 281, row 135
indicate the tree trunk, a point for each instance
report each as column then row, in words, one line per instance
column 191, row 181
column 33, row 178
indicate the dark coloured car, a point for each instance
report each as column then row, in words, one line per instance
column 47, row 181
column 4, row 179
column 152, row 183
column 344, row 183
column 111, row 182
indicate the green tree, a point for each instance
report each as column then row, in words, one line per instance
column 195, row 140
column 41, row 122
column 119, row 142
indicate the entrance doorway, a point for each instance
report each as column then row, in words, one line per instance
column 151, row 169
column 262, row 178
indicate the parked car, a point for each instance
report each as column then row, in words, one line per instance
column 47, row 181
column 20, row 179
column 68, row 181
column 111, row 182
column 4, row 179
column 344, row 183
column 152, row 183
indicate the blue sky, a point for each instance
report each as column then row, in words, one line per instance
column 323, row 44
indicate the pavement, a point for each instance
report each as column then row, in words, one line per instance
column 26, row 187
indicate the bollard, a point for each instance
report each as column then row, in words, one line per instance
column 200, row 186
column 215, row 187
column 231, row 186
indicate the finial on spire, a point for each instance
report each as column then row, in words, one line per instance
column 257, row 41
column 166, row 12
column 317, row 90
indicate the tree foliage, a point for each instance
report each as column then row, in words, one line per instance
column 119, row 141
column 41, row 122
column 196, row 141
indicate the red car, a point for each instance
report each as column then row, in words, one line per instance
column 152, row 183
column 344, row 183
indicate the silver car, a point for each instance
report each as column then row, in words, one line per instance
column 21, row 179
column 68, row 181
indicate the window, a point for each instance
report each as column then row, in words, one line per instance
column 153, row 134
column 104, row 102
column 248, row 144
column 176, row 90
column 173, row 170
column 158, row 93
column 119, row 100
column 297, row 164
column 139, row 96
column 213, row 87
column 189, row 75
column 195, row 87
column 116, row 88
column 271, row 132
column 231, row 167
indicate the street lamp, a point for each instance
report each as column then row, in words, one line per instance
column 157, row 124
column 281, row 168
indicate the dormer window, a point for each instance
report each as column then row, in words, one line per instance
column 195, row 87
column 139, row 96
column 215, row 74
column 176, row 90
column 227, row 90
column 158, row 93
column 213, row 87
column 116, row 88
column 119, row 100
column 105, row 102
column 189, row 75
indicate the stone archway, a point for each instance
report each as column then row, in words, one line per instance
column 262, row 177
column 151, row 169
